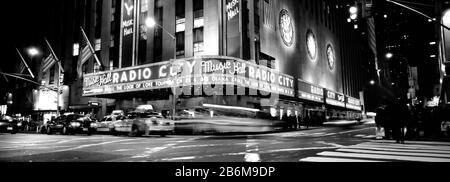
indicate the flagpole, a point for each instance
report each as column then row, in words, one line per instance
column 24, row 62
column 91, row 48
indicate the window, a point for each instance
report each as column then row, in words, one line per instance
column 198, row 41
column 98, row 44
column 111, row 64
column 198, row 19
column 144, row 6
column 198, row 49
column 180, row 43
column 181, row 25
column 198, row 5
column 76, row 49
column 96, row 67
column 268, row 14
column 52, row 75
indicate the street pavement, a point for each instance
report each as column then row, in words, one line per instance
column 324, row 144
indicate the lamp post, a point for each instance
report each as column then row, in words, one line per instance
column 150, row 22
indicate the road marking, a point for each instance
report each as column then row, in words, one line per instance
column 297, row 149
column 351, row 131
column 150, row 151
column 91, row 145
column 251, row 151
column 180, row 158
column 407, row 146
column 399, row 150
column 413, row 142
column 377, row 156
column 123, row 150
column 394, row 153
column 330, row 159
column 197, row 146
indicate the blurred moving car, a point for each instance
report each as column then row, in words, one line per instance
column 8, row 125
column 143, row 121
column 107, row 123
column 71, row 124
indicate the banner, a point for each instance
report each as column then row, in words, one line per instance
column 128, row 32
column 233, row 28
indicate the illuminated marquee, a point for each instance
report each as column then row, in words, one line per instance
column 196, row 71
column 352, row 103
column 310, row 92
column 335, row 99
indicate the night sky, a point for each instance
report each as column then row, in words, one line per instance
column 23, row 25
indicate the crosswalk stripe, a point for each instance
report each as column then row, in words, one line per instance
column 330, row 159
column 446, row 148
column 394, row 153
column 399, row 150
column 379, row 156
column 414, row 142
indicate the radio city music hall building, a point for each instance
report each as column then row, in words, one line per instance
column 229, row 54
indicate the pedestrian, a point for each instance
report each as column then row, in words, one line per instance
column 400, row 116
column 380, row 121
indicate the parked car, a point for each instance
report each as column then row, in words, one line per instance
column 71, row 124
column 8, row 125
column 141, row 122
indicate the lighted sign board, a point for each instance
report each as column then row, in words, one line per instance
column 45, row 99
column 334, row 98
column 286, row 28
column 352, row 103
column 310, row 92
column 206, row 70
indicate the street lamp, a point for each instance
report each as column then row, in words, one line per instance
column 372, row 82
column 389, row 55
column 33, row 51
column 150, row 23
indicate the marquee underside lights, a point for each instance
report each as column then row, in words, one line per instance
column 287, row 28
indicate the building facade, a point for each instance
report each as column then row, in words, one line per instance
column 304, row 54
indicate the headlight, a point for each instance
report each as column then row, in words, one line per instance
column 19, row 124
column 161, row 123
column 94, row 125
column 75, row 124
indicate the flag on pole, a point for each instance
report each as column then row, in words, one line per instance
column 48, row 63
column 86, row 52
column 22, row 68
column 53, row 57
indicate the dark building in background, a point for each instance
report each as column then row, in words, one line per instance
column 409, row 45
column 324, row 60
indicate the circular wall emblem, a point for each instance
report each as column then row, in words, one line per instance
column 311, row 45
column 286, row 28
column 330, row 56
